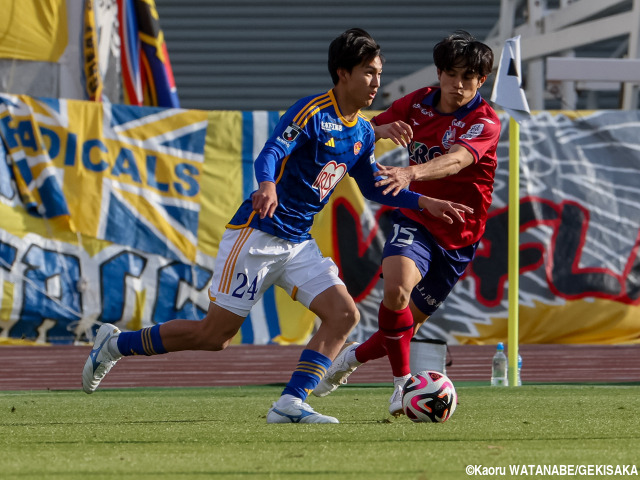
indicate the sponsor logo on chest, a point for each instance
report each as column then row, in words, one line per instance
column 331, row 127
column 329, row 177
column 424, row 111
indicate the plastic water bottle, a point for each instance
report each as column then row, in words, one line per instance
column 499, row 368
column 519, row 369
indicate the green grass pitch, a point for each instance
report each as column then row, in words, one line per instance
column 221, row 433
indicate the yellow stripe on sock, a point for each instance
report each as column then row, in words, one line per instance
column 147, row 344
column 312, row 368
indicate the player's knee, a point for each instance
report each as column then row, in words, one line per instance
column 396, row 297
column 353, row 316
column 343, row 319
column 349, row 317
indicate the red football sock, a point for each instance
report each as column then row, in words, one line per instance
column 397, row 330
column 372, row 348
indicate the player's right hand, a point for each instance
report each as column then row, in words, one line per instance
column 445, row 210
column 399, row 132
column 265, row 199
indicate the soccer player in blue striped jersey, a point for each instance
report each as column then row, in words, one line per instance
column 317, row 142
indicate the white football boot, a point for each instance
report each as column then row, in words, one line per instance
column 293, row 410
column 395, row 402
column 100, row 360
column 337, row 373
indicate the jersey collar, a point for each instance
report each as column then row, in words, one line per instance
column 433, row 97
column 334, row 101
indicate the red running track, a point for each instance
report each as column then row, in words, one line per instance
column 60, row 367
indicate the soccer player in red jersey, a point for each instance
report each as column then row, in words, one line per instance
column 451, row 135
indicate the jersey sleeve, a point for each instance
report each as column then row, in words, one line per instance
column 481, row 136
column 287, row 136
column 363, row 172
column 265, row 165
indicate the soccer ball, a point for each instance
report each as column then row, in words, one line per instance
column 429, row 396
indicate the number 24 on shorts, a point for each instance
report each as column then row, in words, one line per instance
column 245, row 288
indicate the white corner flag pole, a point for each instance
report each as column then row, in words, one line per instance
column 508, row 94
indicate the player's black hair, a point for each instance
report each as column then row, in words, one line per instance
column 350, row 49
column 461, row 49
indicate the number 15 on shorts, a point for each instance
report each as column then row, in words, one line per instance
column 402, row 235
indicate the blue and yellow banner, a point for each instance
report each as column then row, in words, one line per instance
column 113, row 213
column 34, row 30
column 126, row 175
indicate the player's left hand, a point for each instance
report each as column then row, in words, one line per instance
column 395, row 178
column 445, row 210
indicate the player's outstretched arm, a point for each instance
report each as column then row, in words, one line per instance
column 397, row 178
column 445, row 210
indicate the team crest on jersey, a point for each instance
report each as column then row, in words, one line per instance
column 357, row 147
column 291, row 132
column 448, row 138
column 329, row 177
column 473, row 132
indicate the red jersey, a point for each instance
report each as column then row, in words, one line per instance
column 476, row 127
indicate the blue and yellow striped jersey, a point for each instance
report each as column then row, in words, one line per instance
column 310, row 150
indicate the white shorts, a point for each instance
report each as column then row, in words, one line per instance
column 249, row 261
